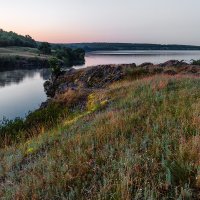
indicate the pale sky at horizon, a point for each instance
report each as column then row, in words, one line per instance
column 135, row 21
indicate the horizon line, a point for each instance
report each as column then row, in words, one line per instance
column 133, row 43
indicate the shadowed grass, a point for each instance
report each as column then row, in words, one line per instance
column 136, row 140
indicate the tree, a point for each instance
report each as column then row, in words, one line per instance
column 70, row 57
column 55, row 66
column 45, row 48
column 79, row 54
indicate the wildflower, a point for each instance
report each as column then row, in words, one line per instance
column 104, row 103
column 30, row 150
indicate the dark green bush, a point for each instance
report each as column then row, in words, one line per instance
column 70, row 57
column 45, row 48
column 195, row 62
column 55, row 66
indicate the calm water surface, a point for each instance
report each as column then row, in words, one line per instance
column 22, row 91
column 138, row 57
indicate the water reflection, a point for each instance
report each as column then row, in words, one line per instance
column 17, row 76
column 138, row 57
column 21, row 91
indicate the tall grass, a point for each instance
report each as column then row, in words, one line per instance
column 136, row 140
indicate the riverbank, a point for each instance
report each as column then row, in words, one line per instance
column 71, row 89
column 124, row 131
column 25, row 63
column 13, row 58
column 24, row 58
column 97, row 77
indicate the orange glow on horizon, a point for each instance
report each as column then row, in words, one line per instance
column 72, row 21
column 54, row 37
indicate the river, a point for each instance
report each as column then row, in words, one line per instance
column 22, row 91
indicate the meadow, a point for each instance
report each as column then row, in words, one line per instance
column 135, row 139
column 22, row 52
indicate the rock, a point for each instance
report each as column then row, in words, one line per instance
column 73, row 82
column 91, row 77
column 170, row 72
column 171, row 63
column 44, row 104
column 146, row 64
column 49, row 88
column 99, row 76
column 63, row 87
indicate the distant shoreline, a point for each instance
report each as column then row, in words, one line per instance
column 137, row 52
column 88, row 47
column 12, row 58
column 9, row 63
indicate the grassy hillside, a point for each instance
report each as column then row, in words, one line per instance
column 29, row 58
column 21, row 51
column 13, row 39
column 12, row 58
column 136, row 139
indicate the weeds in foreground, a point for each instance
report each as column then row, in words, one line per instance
column 143, row 145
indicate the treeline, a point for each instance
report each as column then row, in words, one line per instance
column 128, row 46
column 13, row 39
column 68, row 56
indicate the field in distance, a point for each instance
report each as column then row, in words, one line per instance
column 22, row 52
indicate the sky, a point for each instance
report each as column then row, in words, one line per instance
column 135, row 21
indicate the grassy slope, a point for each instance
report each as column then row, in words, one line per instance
column 21, row 51
column 139, row 139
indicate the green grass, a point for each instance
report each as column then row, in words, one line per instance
column 136, row 139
